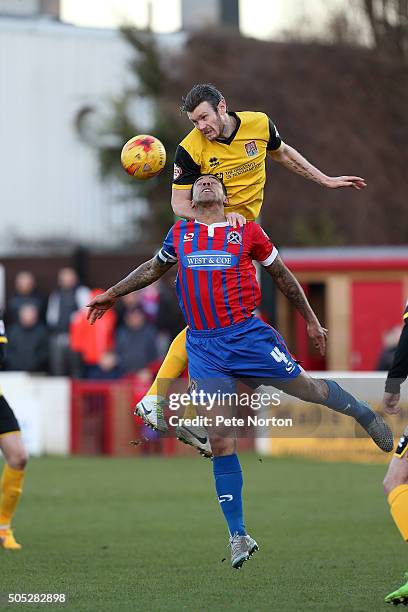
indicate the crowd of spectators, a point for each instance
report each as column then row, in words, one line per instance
column 52, row 335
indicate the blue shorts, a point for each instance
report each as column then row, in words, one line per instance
column 251, row 349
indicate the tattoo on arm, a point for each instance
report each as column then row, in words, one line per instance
column 146, row 274
column 294, row 161
column 290, row 287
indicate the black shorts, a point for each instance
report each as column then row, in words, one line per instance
column 8, row 421
column 402, row 444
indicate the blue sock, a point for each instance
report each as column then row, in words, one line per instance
column 228, row 483
column 342, row 401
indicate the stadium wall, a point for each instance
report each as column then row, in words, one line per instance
column 50, row 178
column 60, row 417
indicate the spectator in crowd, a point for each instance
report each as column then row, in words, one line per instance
column 107, row 368
column 390, row 341
column 88, row 342
column 169, row 320
column 147, row 299
column 135, row 342
column 25, row 292
column 67, row 299
column 28, row 347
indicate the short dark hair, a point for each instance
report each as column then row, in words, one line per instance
column 202, row 92
column 214, row 176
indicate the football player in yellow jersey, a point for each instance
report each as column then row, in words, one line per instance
column 12, row 478
column 396, row 479
column 232, row 146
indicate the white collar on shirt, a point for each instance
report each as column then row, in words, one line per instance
column 212, row 226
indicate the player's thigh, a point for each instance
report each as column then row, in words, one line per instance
column 11, row 443
column 8, row 420
column 397, row 473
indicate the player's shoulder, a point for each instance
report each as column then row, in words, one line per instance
column 254, row 125
column 253, row 117
column 255, row 230
column 177, row 225
column 193, row 143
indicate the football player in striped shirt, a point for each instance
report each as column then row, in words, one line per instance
column 15, row 455
column 218, row 292
column 396, row 479
column 233, row 146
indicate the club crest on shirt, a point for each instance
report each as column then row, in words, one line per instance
column 177, row 172
column 251, row 148
column 234, row 238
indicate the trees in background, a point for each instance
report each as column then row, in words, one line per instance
column 342, row 106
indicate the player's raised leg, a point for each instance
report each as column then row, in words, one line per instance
column 11, row 484
column 328, row 393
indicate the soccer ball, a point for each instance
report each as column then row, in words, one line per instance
column 143, row 156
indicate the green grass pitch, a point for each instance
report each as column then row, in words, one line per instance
column 147, row 534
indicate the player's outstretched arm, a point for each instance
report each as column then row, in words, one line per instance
column 293, row 160
column 146, row 274
column 287, row 283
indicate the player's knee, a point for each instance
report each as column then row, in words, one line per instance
column 314, row 390
column 393, row 480
column 17, row 459
column 222, row 446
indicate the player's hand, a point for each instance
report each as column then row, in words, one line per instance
column 318, row 335
column 98, row 306
column 335, row 182
column 234, row 218
column 390, row 403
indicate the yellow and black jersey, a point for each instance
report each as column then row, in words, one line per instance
column 238, row 160
column 399, row 368
column 8, row 421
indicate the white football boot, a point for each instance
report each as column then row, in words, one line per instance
column 151, row 410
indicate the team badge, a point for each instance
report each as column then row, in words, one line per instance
column 251, row 148
column 177, row 172
column 234, row 238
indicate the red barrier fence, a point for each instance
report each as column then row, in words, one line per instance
column 102, row 420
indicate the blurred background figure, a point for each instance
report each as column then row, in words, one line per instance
column 390, row 341
column 25, row 292
column 147, row 299
column 169, row 319
column 107, row 368
column 29, row 342
column 136, row 341
column 67, row 299
column 90, row 344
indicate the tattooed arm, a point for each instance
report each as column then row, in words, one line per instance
column 293, row 160
column 146, row 274
column 290, row 287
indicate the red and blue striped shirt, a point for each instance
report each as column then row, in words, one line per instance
column 216, row 281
